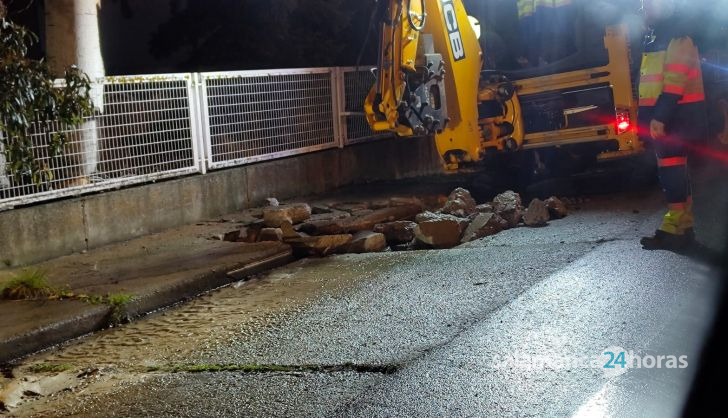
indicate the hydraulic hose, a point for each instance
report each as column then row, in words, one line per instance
column 422, row 18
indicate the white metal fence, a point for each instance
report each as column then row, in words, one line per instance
column 354, row 85
column 152, row 127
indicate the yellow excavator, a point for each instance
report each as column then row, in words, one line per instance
column 434, row 79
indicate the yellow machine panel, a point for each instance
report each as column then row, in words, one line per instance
column 431, row 81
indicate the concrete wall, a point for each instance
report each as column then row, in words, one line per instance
column 54, row 229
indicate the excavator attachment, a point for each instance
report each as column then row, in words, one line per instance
column 428, row 77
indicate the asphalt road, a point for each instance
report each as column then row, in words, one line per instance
column 425, row 333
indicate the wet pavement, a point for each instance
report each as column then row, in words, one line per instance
column 422, row 333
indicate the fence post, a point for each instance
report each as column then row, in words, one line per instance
column 337, row 99
column 4, row 180
column 194, row 101
column 90, row 134
column 205, row 133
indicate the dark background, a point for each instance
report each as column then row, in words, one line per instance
column 170, row 36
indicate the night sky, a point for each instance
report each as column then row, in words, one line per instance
column 164, row 36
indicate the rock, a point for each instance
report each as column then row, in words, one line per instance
column 316, row 227
column 320, row 245
column 351, row 206
column 483, row 225
column 556, row 207
column 217, row 237
column 379, row 204
column 460, row 203
column 288, row 232
column 537, row 213
column 272, row 201
column 361, row 212
column 406, row 201
column 439, row 230
column 484, row 208
column 366, row 242
column 367, row 222
column 293, row 213
column 508, row 206
column 319, row 209
column 330, row 216
column 508, row 198
column 398, row 232
column 271, row 234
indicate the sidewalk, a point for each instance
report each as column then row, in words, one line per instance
column 157, row 271
column 162, row 269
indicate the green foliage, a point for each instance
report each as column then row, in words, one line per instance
column 28, row 95
column 29, row 284
column 50, row 368
column 119, row 299
column 118, row 303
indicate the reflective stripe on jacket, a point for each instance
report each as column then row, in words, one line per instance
column 675, row 70
column 671, row 84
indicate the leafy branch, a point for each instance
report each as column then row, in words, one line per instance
column 28, row 96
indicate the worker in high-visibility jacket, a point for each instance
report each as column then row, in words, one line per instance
column 672, row 116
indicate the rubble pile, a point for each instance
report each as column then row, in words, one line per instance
column 398, row 224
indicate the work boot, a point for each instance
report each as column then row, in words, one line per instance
column 671, row 242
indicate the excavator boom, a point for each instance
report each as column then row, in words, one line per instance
column 428, row 76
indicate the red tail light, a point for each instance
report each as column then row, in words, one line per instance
column 624, row 123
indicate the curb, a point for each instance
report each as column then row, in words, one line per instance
column 95, row 318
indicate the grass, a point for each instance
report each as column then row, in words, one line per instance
column 33, row 285
column 119, row 303
column 50, row 368
column 28, row 285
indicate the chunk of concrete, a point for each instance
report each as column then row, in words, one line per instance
column 484, row 208
column 460, row 203
column 398, row 232
column 508, row 205
column 271, row 234
column 406, row 201
column 320, row 246
column 367, row 222
column 508, row 198
column 366, row 242
column 351, row 206
column 537, row 213
column 288, row 232
column 293, row 213
column 483, row 225
column 320, row 208
column 439, row 230
column 379, row 204
column 331, row 215
column 556, row 207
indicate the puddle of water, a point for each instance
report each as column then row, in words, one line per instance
column 183, row 333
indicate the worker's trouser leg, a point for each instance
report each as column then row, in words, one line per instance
column 674, row 177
